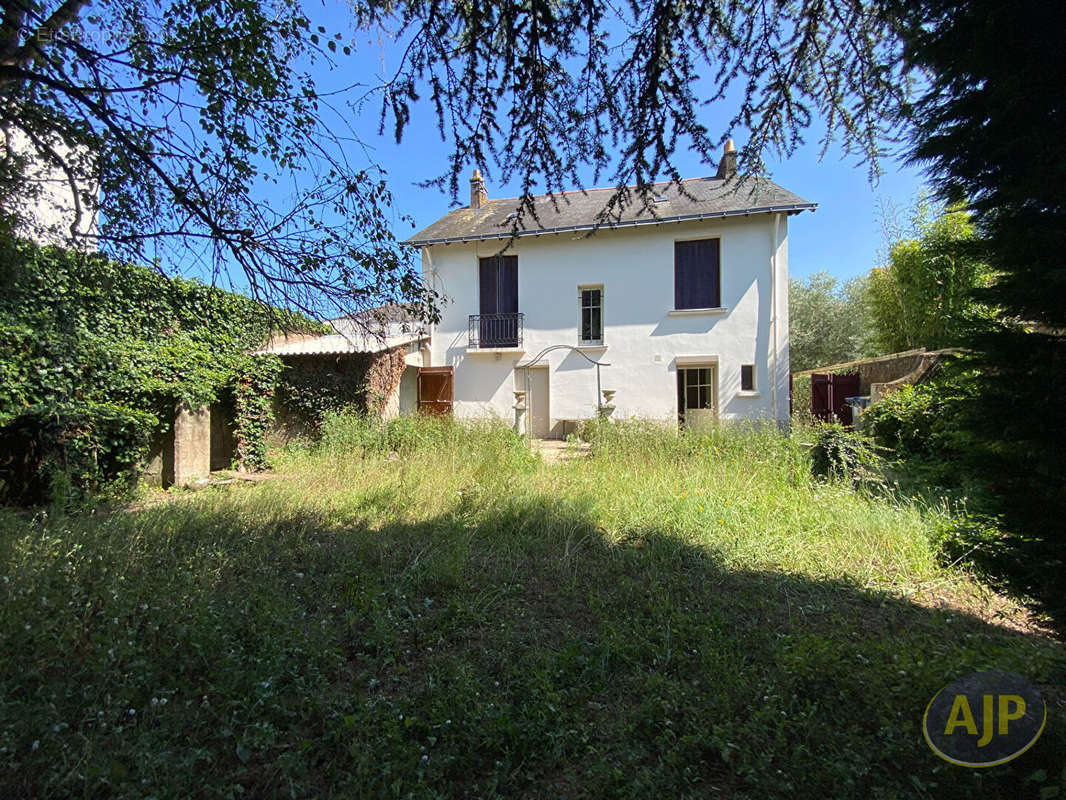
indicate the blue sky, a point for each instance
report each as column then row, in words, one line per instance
column 842, row 237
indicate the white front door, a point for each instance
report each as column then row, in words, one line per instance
column 539, row 407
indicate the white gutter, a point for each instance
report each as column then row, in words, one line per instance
column 434, row 280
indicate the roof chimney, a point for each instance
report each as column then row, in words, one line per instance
column 478, row 194
column 727, row 167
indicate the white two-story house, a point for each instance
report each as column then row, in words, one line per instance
column 678, row 311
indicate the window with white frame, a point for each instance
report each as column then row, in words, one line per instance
column 590, row 321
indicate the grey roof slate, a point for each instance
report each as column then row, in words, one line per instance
column 577, row 210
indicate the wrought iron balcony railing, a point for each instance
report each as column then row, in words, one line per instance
column 496, row 330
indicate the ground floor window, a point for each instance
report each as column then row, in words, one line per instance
column 697, row 390
column 747, row 377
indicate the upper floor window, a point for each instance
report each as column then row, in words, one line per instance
column 590, row 301
column 498, row 284
column 498, row 323
column 697, row 274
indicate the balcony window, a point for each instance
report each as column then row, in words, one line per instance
column 498, row 322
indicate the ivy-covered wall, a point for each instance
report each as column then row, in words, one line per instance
column 312, row 386
column 94, row 356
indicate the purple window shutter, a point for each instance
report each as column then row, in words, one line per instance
column 508, row 285
column 697, row 274
column 489, row 286
column 714, row 271
column 682, row 270
column 499, row 285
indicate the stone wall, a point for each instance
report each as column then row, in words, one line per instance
column 888, row 368
column 928, row 364
column 884, row 374
column 881, row 369
column 192, row 445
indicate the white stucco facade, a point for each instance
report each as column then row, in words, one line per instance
column 53, row 211
column 644, row 339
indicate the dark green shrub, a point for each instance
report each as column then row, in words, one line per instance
column 975, row 540
column 915, row 420
column 920, row 427
column 66, row 454
column 843, row 454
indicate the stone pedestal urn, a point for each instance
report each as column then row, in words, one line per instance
column 520, row 409
column 607, row 407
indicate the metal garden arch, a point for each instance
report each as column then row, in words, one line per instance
column 540, row 357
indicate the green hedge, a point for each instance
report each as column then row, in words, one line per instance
column 94, row 355
column 72, row 452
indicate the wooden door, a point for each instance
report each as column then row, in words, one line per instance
column 821, row 407
column 435, row 390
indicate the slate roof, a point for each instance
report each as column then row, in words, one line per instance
column 577, row 211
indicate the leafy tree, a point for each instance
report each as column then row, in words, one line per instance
column 827, row 321
column 214, row 149
column 990, row 129
column 923, row 295
column 94, row 355
column 545, row 92
column 195, row 128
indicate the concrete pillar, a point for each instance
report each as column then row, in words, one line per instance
column 192, row 444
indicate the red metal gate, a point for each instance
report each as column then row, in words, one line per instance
column 828, row 391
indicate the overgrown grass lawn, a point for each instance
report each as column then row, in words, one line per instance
column 426, row 610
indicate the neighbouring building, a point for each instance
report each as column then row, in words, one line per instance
column 57, row 206
column 840, row 392
column 370, row 362
column 384, row 347
column 683, row 302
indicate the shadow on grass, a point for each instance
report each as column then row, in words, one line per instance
column 509, row 650
column 1022, row 565
column 1004, row 532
